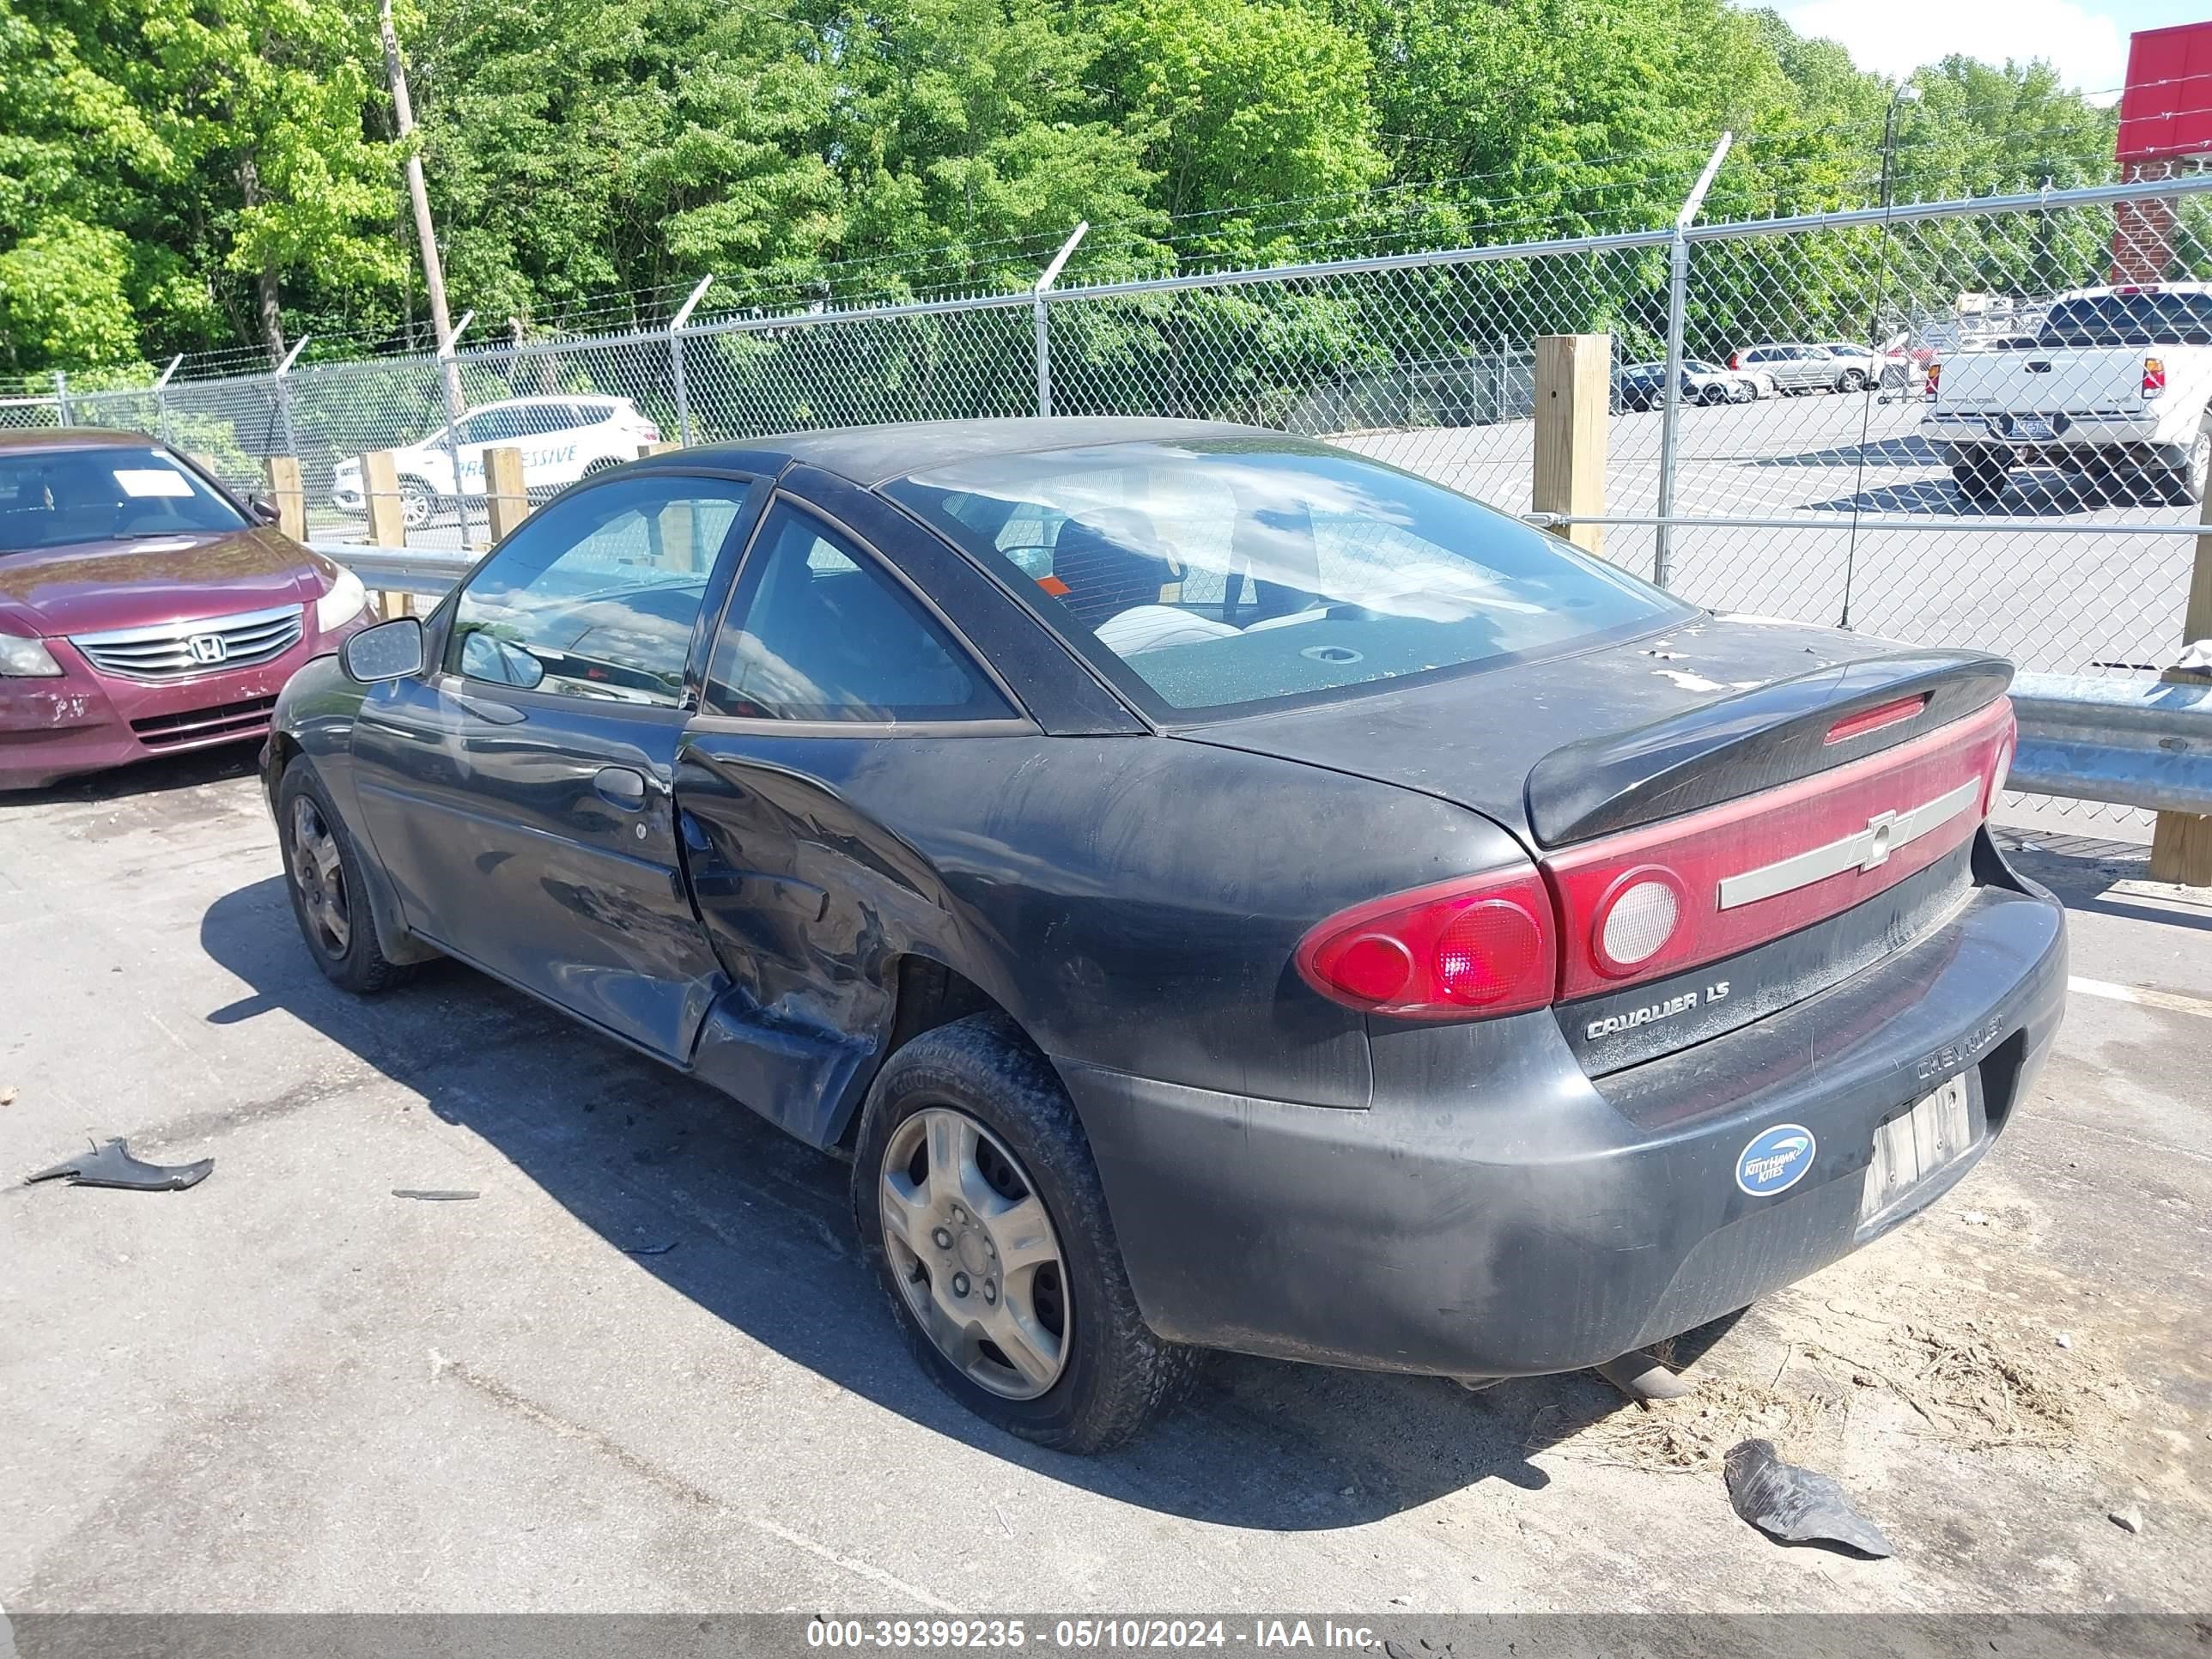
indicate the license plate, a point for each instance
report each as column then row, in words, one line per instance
column 2030, row 426
column 1915, row 1145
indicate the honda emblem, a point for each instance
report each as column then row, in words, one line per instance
column 207, row 647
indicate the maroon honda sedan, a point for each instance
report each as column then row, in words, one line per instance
column 144, row 608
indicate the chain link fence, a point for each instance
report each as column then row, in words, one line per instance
column 1909, row 421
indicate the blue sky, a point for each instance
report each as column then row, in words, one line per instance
column 2086, row 40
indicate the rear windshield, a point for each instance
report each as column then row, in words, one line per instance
column 60, row 497
column 2129, row 319
column 1218, row 574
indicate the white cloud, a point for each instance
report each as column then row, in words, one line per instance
column 1895, row 37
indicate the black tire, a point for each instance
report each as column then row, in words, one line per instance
column 2185, row 485
column 1854, row 379
column 1115, row 1375
column 1980, row 474
column 1711, row 396
column 356, row 963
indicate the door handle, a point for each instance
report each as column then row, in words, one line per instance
column 618, row 786
column 497, row 713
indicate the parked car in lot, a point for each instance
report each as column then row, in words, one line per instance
column 1796, row 366
column 561, row 439
column 2114, row 383
column 1219, row 890
column 144, row 608
column 1643, row 386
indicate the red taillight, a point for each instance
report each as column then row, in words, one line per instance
column 1735, row 360
column 1873, row 719
column 1748, row 871
column 1935, row 377
column 2001, row 766
column 652, row 432
column 2154, row 381
column 1480, row 944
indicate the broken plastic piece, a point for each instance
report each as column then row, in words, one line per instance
column 109, row 1163
column 435, row 1195
column 649, row 1250
column 1798, row 1506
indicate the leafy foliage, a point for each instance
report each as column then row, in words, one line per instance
column 191, row 175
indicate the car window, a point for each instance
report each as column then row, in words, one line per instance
column 1213, row 574
column 533, row 419
column 60, row 497
column 817, row 630
column 598, row 595
column 1760, row 355
column 2130, row 318
column 491, row 426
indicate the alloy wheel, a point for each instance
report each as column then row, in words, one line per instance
column 415, row 506
column 318, row 874
column 974, row 1254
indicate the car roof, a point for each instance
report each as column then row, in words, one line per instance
column 72, row 437
column 549, row 397
column 872, row 455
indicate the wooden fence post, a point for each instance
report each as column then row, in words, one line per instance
column 290, row 496
column 1574, row 404
column 504, row 498
column 660, row 448
column 2181, row 844
column 387, row 524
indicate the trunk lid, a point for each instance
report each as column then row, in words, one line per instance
column 1561, row 750
column 1728, row 818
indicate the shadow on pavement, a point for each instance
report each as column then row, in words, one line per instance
column 762, row 1239
column 2029, row 495
column 162, row 775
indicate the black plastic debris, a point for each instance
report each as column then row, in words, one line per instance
column 649, row 1250
column 1798, row 1506
column 109, row 1163
column 435, row 1195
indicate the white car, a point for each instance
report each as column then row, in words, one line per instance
column 2115, row 383
column 562, row 438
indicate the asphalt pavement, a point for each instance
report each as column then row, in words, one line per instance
column 642, row 1370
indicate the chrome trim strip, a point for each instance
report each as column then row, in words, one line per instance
column 164, row 653
column 178, row 632
column 1863, row 849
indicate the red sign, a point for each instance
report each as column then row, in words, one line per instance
column 2166, row 110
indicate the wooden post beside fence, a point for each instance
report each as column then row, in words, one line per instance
column 2181, row 844
column 1574, row 400
column 387, row 524
column 504, row 498
column 290, row 496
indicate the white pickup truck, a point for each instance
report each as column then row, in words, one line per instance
column 2114, row 385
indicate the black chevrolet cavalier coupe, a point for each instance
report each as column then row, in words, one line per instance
column 1221, row 892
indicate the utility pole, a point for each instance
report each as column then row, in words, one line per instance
column 426, row 235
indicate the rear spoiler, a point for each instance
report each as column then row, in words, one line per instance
column 1781, row 732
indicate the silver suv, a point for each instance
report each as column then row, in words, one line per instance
column 1797, row 366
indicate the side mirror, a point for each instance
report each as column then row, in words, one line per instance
column 390, row 651
column 263, row 509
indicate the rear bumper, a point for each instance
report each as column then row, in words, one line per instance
column 85, row 722
column 1539, row 1221
column 2113, row 436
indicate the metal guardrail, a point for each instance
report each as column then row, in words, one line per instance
column 2130, row 743
column 2133, row 743
column 399, row 569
